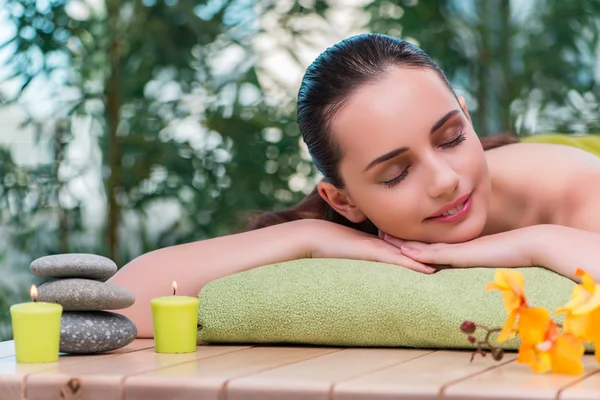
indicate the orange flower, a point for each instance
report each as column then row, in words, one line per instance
column 511, row 284
column 583, row 311
column 544, row 348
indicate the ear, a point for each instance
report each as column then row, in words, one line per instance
column 339, row 200
column 463, row 105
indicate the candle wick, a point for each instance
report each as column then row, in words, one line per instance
column 174, row 290
column 35, row 299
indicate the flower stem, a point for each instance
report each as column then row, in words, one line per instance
column 485, row 341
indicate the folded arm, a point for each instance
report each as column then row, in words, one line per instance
column 558, row 248
column 195, row 264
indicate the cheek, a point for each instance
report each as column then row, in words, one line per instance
column 480, row 164
column 387, row 207
column 471, row 162
column 474, row 171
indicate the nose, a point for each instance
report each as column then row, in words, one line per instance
column 444, row 180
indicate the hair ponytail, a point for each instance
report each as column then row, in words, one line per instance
column 311, row 207
column 499, row 140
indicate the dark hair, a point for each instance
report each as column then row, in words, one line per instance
column 327, row 84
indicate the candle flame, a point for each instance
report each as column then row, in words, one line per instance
column 33, row 292
column 174, row 288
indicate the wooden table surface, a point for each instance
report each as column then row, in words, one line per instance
column 286, row 372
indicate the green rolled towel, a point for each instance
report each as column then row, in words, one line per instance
column 589, row 143
column 338, row 302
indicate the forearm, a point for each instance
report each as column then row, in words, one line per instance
column 195, row 264
column 564, row 249
column 554, row 247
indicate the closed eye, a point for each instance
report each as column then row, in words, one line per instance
column 459, row 139
column 394, row 181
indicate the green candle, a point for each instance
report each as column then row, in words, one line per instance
column 36, row 330
column 175, row 320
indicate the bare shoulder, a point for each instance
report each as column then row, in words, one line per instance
column 561, row 175
column 544, row 159
column 551, row 156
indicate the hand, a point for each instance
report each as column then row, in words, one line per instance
column 406, row 246
column 330, row 240
column 507, row 249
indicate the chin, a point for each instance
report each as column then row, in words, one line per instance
column 468, row 231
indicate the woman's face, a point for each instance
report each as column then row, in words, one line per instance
column 409, row 153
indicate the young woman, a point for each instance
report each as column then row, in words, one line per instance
column 406, row 181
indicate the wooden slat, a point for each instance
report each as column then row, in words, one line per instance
column 13, row 376
column 587, row 388
column 514, row 381
column 290, row 372
column 206, row 378
column 7, row 349
column 314, row 378
column 422, row 377
column 101, row 378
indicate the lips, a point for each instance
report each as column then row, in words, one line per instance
column 454, row 204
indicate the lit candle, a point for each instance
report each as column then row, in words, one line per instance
column 36, row 330
column 175, row 320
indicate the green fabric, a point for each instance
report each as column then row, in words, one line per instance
column 360, row 303
column 590, row 143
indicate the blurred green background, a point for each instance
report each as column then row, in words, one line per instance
column 131, row 125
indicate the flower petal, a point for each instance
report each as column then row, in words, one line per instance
column 577, row 325
column 543, row 364
column 526, row 354
column 512, row 302
column 539, row 361
column 590, row 305
column 533, row 324
column 492, row 286
column 511, row 284
column 586, row 279
column 566, row 355
column 579, row 296
column 509, row 279
column 592, row 328
column 508, row 330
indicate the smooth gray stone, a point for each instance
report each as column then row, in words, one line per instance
column 74, row 265
column 95, row 332
column 85, row 295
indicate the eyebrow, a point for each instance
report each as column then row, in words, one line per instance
column 400, row 150
column 443, row 120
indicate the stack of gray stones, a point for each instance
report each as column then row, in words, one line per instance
column 86, row 326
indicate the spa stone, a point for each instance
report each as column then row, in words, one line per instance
column 74, row 265
column 85, row 295
column 95, row 332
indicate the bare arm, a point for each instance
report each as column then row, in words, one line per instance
column 564, row 249
column 558, row 248
column 195, row 264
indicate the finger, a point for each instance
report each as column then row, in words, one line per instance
column 394, row 241
column 397, row 242
column 446, row 256
column 428, row 256
column 395, row 257
column 415, row 265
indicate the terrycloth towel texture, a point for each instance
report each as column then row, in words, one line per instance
column 360, row 303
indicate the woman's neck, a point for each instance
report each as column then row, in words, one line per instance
column 514, row 203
